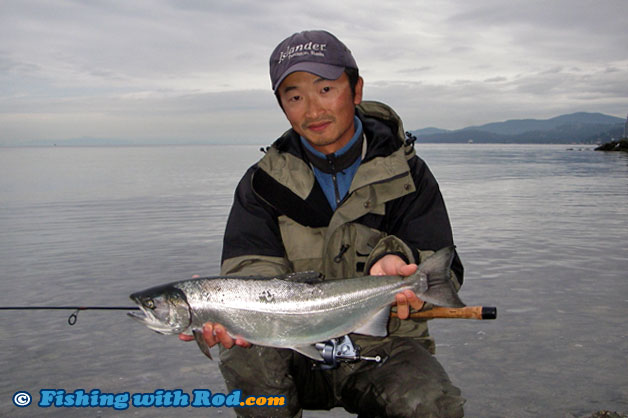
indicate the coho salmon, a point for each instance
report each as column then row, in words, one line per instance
column 294, row 311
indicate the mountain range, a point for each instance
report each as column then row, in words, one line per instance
column 580, row 127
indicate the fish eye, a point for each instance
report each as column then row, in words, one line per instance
column 150, row 304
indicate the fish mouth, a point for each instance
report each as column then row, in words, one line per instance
column 147, row 318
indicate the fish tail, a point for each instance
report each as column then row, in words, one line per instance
column 435, row 284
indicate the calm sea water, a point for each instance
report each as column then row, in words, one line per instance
column 542, row 231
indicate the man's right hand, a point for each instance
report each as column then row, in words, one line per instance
column 217, row 334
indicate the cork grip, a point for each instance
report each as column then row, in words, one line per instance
column 467, row 312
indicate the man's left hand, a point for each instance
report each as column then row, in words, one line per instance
column 393, row 265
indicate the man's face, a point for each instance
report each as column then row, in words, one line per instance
column 320, row 110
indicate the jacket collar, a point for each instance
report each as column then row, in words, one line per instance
column 381, row 126
column 284, row 177
column 333, row 163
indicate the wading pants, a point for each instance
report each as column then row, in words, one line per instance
column 409, row 383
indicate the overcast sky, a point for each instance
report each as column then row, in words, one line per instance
column 180, row 71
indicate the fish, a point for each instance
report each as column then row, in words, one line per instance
column 293, row 311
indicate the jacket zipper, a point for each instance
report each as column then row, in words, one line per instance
column 334, row 178
column 336, row 191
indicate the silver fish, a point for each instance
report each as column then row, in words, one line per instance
column 295, row 311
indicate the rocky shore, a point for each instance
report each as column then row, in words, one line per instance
column 607, row 414
column 620, row 145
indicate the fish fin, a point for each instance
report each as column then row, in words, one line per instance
column 440, row 290
column 188, row 332
column 309, row 351
column 442, row 297
column 377, row 326
column 200, row 341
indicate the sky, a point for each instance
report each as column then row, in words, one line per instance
column 193, row 71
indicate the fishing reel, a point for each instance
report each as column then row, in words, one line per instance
column 339, row 350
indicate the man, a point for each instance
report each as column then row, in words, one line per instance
column 342, row 193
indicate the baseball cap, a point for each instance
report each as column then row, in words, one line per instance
column 315, row 51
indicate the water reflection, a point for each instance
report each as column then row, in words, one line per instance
column 541, row 230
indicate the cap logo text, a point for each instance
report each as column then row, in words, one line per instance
column 299, row 50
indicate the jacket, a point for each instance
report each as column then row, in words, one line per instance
column 281, row 222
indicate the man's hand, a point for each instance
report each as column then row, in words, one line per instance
column 393, row 265
column 217, row 334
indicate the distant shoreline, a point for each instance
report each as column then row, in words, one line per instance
column 139, row 145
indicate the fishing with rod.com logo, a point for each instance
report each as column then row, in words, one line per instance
column 160, row 398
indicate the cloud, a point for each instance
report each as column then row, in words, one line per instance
column 461, row 103
column 195, row 70
column 495, row 79
column 166, row 117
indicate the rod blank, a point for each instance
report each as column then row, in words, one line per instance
column 80, row 308
column 74, row 315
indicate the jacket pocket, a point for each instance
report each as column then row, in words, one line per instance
column 303, row 245
column 365, row 240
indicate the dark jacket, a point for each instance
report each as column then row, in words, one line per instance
column 281, row 222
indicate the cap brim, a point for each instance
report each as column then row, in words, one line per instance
column 330, row 72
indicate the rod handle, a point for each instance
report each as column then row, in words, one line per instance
column 467, row 312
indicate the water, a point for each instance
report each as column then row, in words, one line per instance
column 542, row 231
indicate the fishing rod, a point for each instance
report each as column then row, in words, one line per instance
column 74, row 316
column 467, row 312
